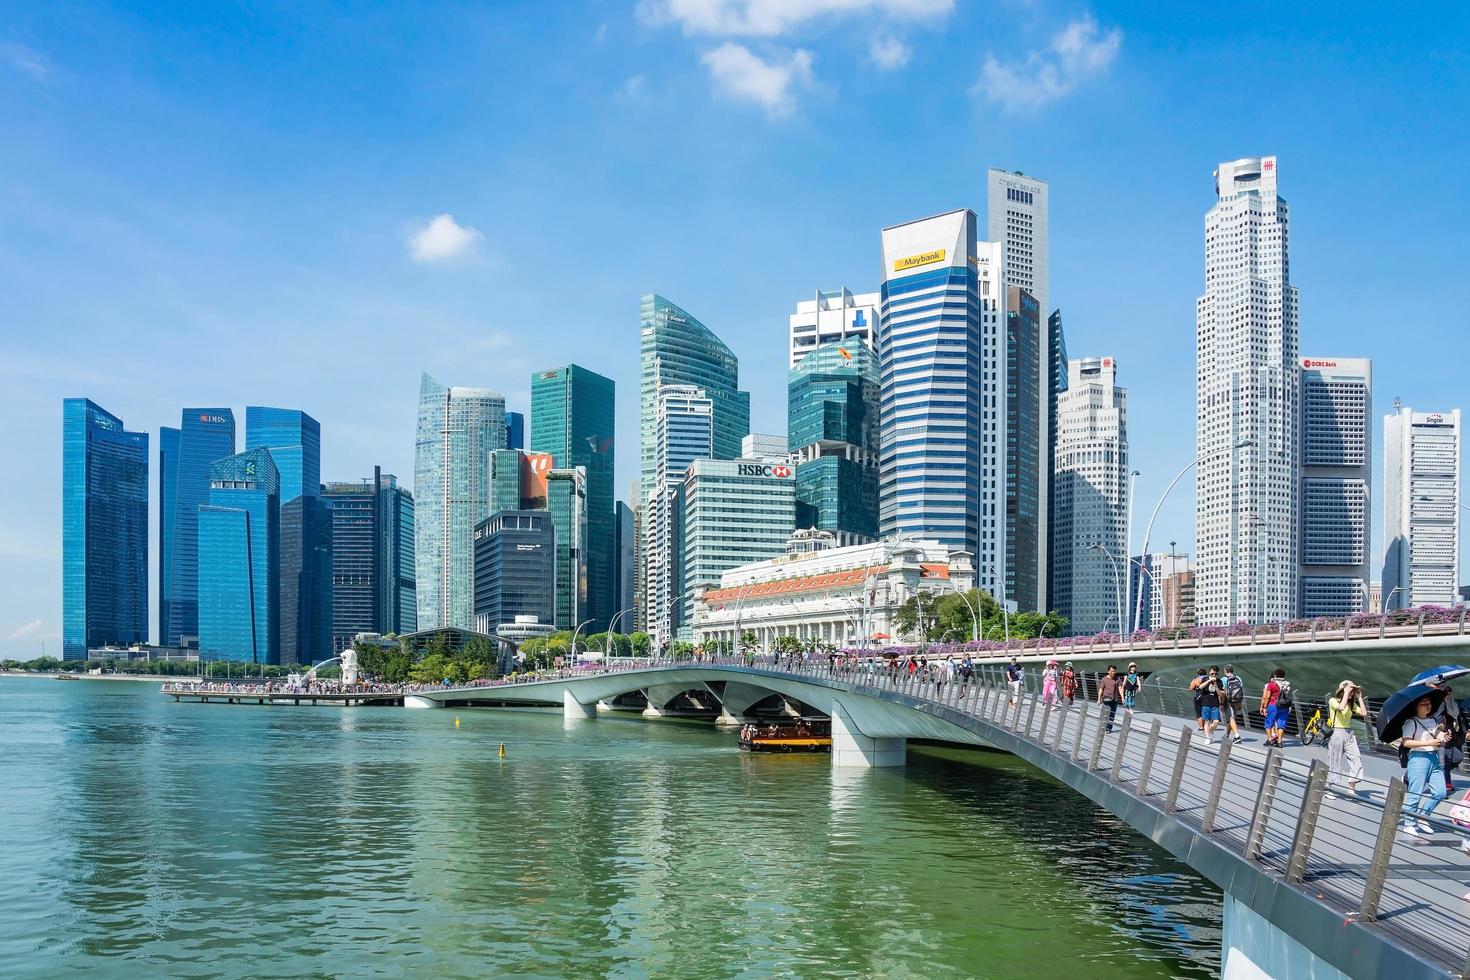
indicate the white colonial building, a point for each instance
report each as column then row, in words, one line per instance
column 822, row 593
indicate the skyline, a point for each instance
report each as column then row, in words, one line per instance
column 236, row 280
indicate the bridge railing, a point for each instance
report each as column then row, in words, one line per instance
column 1273, row 810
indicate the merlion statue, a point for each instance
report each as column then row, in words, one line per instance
column 349, row 666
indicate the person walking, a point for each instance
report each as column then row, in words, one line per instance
column 1424, row 738
column 1454, row 750
column 1276, row 700
column 1110, row 693
column 1014, row 679
column 1132, row 684
column 1196, row 688
column 1209, row 691
column 1069, row 684
column 1050, row 677
column 1343, row 759
column 1235, row 689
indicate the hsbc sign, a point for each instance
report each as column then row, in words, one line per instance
column 779, row 470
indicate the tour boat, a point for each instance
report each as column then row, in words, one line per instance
column 797, row 735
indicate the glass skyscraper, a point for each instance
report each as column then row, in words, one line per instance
column 683, row 432
column 572, row 418
column 295, row 443
column 104, row 530
column 932, row 343
column 372, row 558
column 239, row 555
column 515, row 568
column 515, row 430
column 1026, row 435
column 458, row 428
column 203, row 436
column 832, row 432
column 566, row 499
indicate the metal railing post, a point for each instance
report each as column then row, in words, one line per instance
column 1122, row 746
column 1045, row 721
column 1186, row 736
column 1056, row 740
column 1030, row 718
column 1097, row 738
column 1081, row 727
column 1261, row 812
column 1393, row 805
column 1306, row 823
column 1217, row 785
column 1148, row 757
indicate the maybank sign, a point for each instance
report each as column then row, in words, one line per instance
column 914, row 261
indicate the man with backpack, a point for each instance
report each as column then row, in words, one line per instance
column 1276, row 701
column 1235, row 695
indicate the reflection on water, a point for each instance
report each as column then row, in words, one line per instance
column 147, row 838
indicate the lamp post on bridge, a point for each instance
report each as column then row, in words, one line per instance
column 1117, row 580
column 612, row 626
column 574, row 638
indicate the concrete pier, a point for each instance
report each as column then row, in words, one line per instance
column 851, row 747
column 571, row 708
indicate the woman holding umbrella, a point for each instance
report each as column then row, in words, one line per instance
column 1408, row 716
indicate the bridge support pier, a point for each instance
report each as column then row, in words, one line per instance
column 1254, row 949
column 572, row 709
column 418, row 701
column 851, row 747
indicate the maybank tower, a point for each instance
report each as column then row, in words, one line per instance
column 939, row 346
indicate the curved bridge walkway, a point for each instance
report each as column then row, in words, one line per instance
column 1313, row 878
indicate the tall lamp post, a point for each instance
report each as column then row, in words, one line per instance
column 612, row 627
column 1149, row 529
column 574, row 638
column 1005, row 610
column 973, row 610
column 1117, row 579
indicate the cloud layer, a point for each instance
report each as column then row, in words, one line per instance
column 1078, row 52
column 442, row 240
column 773, row 18
column 742, row 75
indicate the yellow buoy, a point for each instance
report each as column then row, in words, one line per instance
column 502, row 750
column 456, row 722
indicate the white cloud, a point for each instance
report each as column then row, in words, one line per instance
column 772, row 18
column 1078, row 52
column 889, row 53
column 25, row 60
column 442, row 240
column 743, row 76
column 29, row 629
column 632, row 89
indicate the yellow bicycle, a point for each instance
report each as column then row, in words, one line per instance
column 1312, row 730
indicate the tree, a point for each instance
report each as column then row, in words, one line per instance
column 748, row 639
column 640, row 642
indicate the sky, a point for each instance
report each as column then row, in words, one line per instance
column 305, row 205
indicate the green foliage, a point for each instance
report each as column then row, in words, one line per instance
column 948, row 618
column 640, row 642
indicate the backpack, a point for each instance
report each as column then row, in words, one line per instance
column 1283, row 693
column 1235, row 687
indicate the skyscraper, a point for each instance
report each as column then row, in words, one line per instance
column 204, row 435
column 168, row 467
column 1091, row 492
column 832, row 434
column 1337, row 468
column 372, row 558
column 515, row 568
column 458, row 428
column 1421, row 508
column 566, row 499
column 1018, row 220
column 941, row 355
column 1247, row 500
column 239, row 560
column 1057, row 383
column 104, row 530
column 683, row 432
column 625, row 556
column 1028, row 370
column 841, row 316
column 676, row 349
column 572, row 418
column 295, row 443
column 515, row 430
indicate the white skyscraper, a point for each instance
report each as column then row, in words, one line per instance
column 1421, row 508
column 1247, row 500
column 840, row 315
column 1091, row 485
column 458, row 428
column 683, row 432
column 1018, row 220
column 1337, row 470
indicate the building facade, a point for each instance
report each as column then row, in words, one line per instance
column 832, row 424
column 834, row 596
column 625, row 556
column 1056, row 384
column 295, row 443
column 186, row 453
column 842, row 317
column 1336, row 477
column 735, row 512
column 572, row 420
column 458, row 428
column 1018, row 219
column 515, row 430
column 1026, row 472
column 372, row 558
column 239, row 560
column 1091, row 491
column 1247, row 500
column 1175, row 608
column 1421, row 508
column 566, row 500
column 941, row 357
column 104, row 530
column 683, row 432
column 515, row 569
column 763, row 445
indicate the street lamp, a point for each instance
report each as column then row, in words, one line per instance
column 612, row 626
column 1117, row 579
column 973, row 609
column 1005, row 611
column 1149, row 530
column 574, row 638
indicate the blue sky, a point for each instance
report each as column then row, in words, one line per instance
column 222, row 204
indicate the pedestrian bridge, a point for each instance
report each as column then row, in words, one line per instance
column 1316, row 883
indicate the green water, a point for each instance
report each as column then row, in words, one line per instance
column 144, row 838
